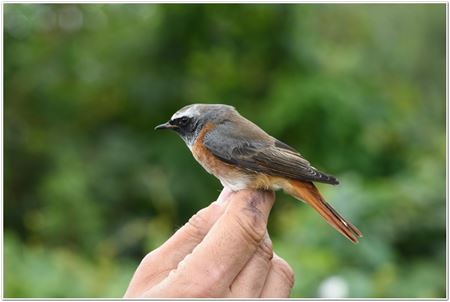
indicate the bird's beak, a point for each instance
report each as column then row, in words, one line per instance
column 165, row 126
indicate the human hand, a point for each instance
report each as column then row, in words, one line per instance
column 223, row 251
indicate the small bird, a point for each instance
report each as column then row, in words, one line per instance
column 242, row 156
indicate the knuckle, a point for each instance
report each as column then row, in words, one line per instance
column 199, row 224
column 282, row 268
column 196, row 226
column 252, row 224
column 265, row 250
column 215, row 208
column 149, row 258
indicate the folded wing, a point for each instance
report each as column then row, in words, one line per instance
column 268, row 156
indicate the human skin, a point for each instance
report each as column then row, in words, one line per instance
column 224, row 251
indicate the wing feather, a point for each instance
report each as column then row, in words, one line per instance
column 269, row 156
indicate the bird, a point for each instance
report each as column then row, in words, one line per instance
column 243, row 156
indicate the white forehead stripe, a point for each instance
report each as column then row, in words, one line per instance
column 190, row 112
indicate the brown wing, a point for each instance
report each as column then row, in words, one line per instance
column 267, row 156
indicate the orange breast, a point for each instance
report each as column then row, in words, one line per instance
column 212, row 164
column 230, row 176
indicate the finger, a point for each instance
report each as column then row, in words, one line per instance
column 217, row 260
column 250, row 281
column 157, row 264
column 280, row 279
column 224, row 196
column 192, row 233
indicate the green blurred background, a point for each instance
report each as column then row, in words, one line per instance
column 90, row 188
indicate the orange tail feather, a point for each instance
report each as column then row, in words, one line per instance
column 307, row 192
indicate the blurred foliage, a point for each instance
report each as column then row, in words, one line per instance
column 90, row 188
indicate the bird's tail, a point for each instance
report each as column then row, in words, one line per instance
column 307, row 192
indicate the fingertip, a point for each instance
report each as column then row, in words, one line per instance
column 266, row 198
column 224, row 196
column 268, row 243
column 284, row 268
column 257, row 193
column 267, row 238
column 251, row 205
column 270, row 195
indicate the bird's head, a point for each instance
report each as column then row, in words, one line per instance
column 190, row 120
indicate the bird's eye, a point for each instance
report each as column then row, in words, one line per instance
column 183, row 121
